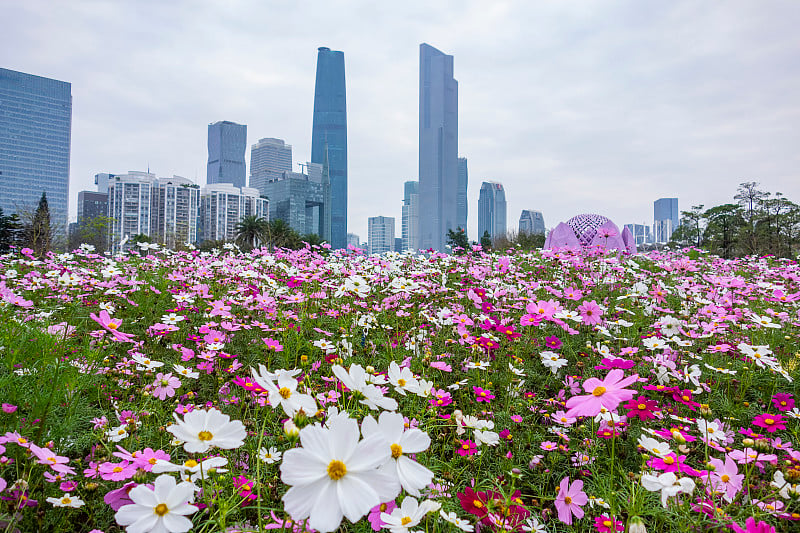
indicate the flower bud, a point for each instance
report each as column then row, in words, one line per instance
column 748, row 442
column 291, row 429
column 678, row 437
column 636, row 525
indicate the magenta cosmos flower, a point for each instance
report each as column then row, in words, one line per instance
column 483, row 395
column 771, row 423
column 642, row 408
column 570, row 500
column 607, row 393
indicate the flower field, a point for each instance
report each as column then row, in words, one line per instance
column 313, row 390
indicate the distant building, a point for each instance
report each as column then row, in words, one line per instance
column 640, row 232
column 130, row 200
column 531, row 222
column 269, row 159
column 329, row 136
column 410, row 216
column 398, row 245
column 91, row 205
column 665, row 218
column 223, row 206
column 381, row 234
column 227, row 143
column 302, row 200
column 354, row 240
column 101, row 180
column 461, row 198
column 176, row 208
column 35, row 134
column 438, row 148
column 492, row 209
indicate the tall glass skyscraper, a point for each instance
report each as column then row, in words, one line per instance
column 665, row 218
column 461, row 216
column 269, row 159
column 492, row 209
column 329, row 136
column 438, row 147
column 227, row 142
column 35, row 132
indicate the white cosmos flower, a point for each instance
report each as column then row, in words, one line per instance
column 185, row 372
column 201, row 430
column 654, row 447
column 355, row 379
column 411, row 475
column 402, row 379
column 333, row 474
column 162, row 509
column 490, row 438
column 191, row 470
column 285, row 394
column 269, row 456
column 409, row 514
column 669, row 484
column 67, row 500
column 453, row 518
column 145, row 363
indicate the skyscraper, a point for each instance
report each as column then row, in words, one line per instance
column 35, row 132
column 269, row 159
column 227, row 143
column 665, row 218
column 438, row 147
column 531, row 222
column 381, row 234
column 492, row 209
column 410, row 213
column 223, row 206
column 329, row 136
column 461, row 215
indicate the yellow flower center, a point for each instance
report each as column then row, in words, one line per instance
column 112, row 326
column 405, row 521
column 641, row 407
column 397, row 451
column 477, row 503
column 285, row 393
column 401, row 382
column 205, row 435
column 725, row 478
column 191, row 463
column 599, row 391
column 117, row 469
column 66, row 501
column 336, row 470
column 161, row 509
column 685, row 398
column 668, row 460
column 567, row 500
column 769, row 421
column 608, row 523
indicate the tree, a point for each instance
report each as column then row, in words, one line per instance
column 692, row 219
column 457, row 240
column 281, row 235
column 251, row 231
column 92, row 231
column 723, row 224
column 486, row 240
column 750, row 198
column 9, row 230
column 38, row 234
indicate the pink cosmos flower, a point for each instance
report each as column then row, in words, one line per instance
column 590, row 312
column 570, row 500
column 607, row 524
column 607, row 394
column 8, row 408
column 552, row 342
column 117, row 471
column 46, row 456
column 483, row 395
column 726, row 478
column 466, row 447
column 771, row 423
column 641, row 408
column 165, row 385
column 111, row 325
column 781, row 401
column 272, row 344
column 374, row 515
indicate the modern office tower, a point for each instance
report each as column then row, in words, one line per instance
column 302, row 200
column 227, row 142
column 665, row 218
column 101, row 180
column 640, row 232
column 223, row 206
column 438, row 147
column 492, row 209
column 461, row 199
column 381, row 234
column 329, row 136
column 35, row 132
column 398, row 245
column 353, row 240
column 269, row 159
column 175, row 211
column 129, row 207
column 91, row 205
column 531, row 222
column 410, row 216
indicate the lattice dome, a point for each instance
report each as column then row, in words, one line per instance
column 585, row 226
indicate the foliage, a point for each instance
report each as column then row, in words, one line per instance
column 10, row 229
column 457, row 240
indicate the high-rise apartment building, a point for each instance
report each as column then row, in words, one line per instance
column 329, row 136
column 35, row 133
column 269, row 159
column 175, row 211
column 461, row 198
column 302, row 200
column 438, row 147
column 353, row 240
column 381, row 234
column 665, row 218
column 227, row 143
column 129, row 207
column 492, row 209
column 223, row 206
column 410, row 216
column 531, row 222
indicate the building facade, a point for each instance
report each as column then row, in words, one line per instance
column 531, row 222
column 302, row 200
column 329, row 136
column 461, row 199
column 665, row 218
column 353, row 240
column 492, row 209
column 130, row 200
column 640, row 232
column 35, row 136
column 175, row 208
column 438, row 147
column 269, row 159
column 227, row 143
column 91, row 205
column 223, row 206
column 410, row 216
column 381, row 234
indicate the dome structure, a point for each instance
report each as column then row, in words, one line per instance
column 591, row 230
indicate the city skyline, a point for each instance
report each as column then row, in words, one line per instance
column 599, row 103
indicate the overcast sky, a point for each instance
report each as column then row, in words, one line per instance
column 575, row 106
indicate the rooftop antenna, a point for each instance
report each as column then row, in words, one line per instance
column 302, row 167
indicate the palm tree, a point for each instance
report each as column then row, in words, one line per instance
column 281, row 234
column 251, row 231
